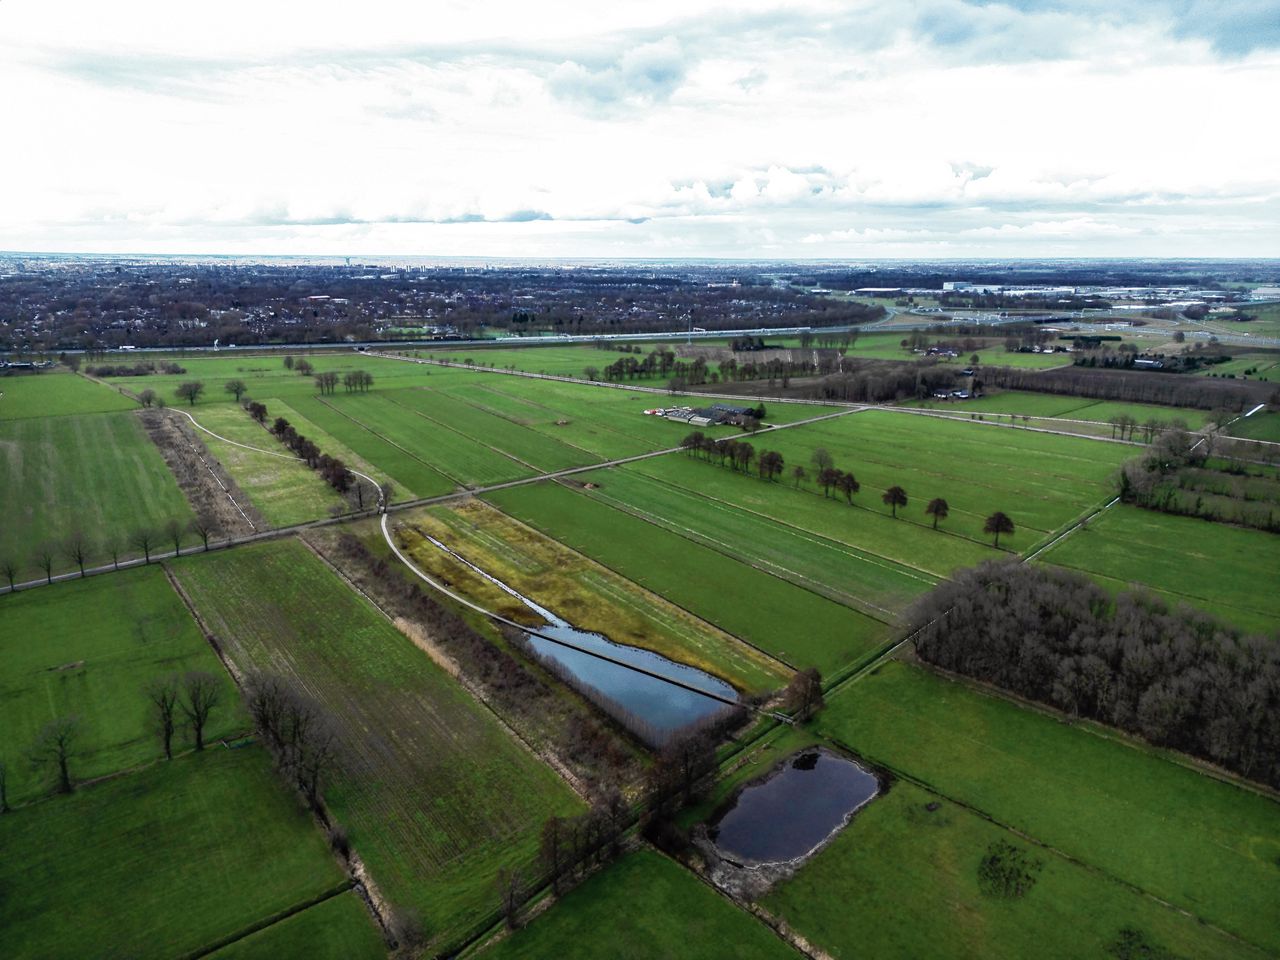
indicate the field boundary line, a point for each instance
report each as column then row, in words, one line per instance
column 515, row 423
column 921, row 412
column 385, row 439
column 459, row 433
column 269, row 921
column 1098, row 511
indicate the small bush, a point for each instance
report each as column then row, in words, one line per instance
column 1007, row 872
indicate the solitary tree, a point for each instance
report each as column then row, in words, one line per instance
column 288, row 363
column 77, row 549
column 55, row 746
column 10, row 571
column 190, row 391
column 147, row 397
column 511, row 892
column 201, row 694
column 174, row 531
column 797, row 475
column 895, row 497
column 822, row 460
column 162, row 695
column 804, row 694
column 936, row 508
column 385, row 490
column 236, row 388
column 4, row 788
column 997, row 524
column 202, row 527
column 303, row 367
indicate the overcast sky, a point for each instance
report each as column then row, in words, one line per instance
column 939, row 128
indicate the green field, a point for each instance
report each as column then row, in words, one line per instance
column 588, row 595
column 88, row 648
column 854, row 575
column 902, row 881
column 1205, row 846
column 159, row 863
column 1067, row 408
column 1041, row 480
column 98, row 473
column 284, row 491
column 1263, row 425
column 1214, row 566
column 435, row 794
column 644, row 907
column 338, row 928
column 799, row 627
column 55, row 395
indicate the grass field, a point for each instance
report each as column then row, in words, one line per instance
column 1246, row 366
column 1068, row 408
column 1210, row 565
column 855, row 576
column 159, row 863
column 644, row 907
column 1040, row 480
column 87, row 649
column 902, row 881
column 1205, row 846
column 55, row 395
column 339, row 928
column 588, row 595
column 97, row 473
column 795, row 625
column 1263, row 425
column 285, row 491
column 435, row 795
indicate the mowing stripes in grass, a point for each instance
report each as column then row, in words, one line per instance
column 57, row 394
column 795, row 625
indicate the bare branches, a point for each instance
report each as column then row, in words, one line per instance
column 162, row 695
column 202, row 692
column 55, row 747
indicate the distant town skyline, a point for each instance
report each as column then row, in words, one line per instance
column 936, row 129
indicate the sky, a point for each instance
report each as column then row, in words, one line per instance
column 753, row 129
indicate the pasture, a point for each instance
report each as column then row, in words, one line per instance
column 588, row 595
column 160, row 863
column 95, row 474
column 284, row 491
column 338, row 928
column 1042, row 481
column 797, row 626
column 56, row 394
column 644, row 907
column 1049, row 405
column 902, row 881
column 435, row 794
column 1209, row 565
column 87, row 649
column 1203, row 845
column 1263, row 425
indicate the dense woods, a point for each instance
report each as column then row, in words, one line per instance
column 1178, row 677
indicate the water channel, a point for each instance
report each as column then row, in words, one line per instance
column 652, row 707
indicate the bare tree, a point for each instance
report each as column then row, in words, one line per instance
column 848, row 484
column 804, row 694
column 114, row 549
column 143, row 540
column 174, row 530
column 202, row 527
column 895, row 497
column 4, row 787
column 236, row 388
column 44, row 560
column 512, row 894
column 386, row 489
column 201, row 694
column 797, row 475
column 303, row 367
column 162, row 695
column 997, row 524
column 10, row 571
column 56, row 745
column 936, row 508
column 190, row 391
column 147, row 397
column 76, row 549
column 288, row 363
column 822, row 460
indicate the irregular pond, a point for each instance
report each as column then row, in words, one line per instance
column 790, row 813
column 653, row 707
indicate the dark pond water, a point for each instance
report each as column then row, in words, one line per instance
column 794, row 810
column 651, row 707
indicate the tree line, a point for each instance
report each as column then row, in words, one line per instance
column 1138, row 386
column 332, row 469
column 738, row 455
column 1176, row 676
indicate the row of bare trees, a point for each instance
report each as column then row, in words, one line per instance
column 81, row 551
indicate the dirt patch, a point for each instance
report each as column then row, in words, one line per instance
column 213, row 495
column 67, row 666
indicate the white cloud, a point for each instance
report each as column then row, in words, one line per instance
column 760, row 129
